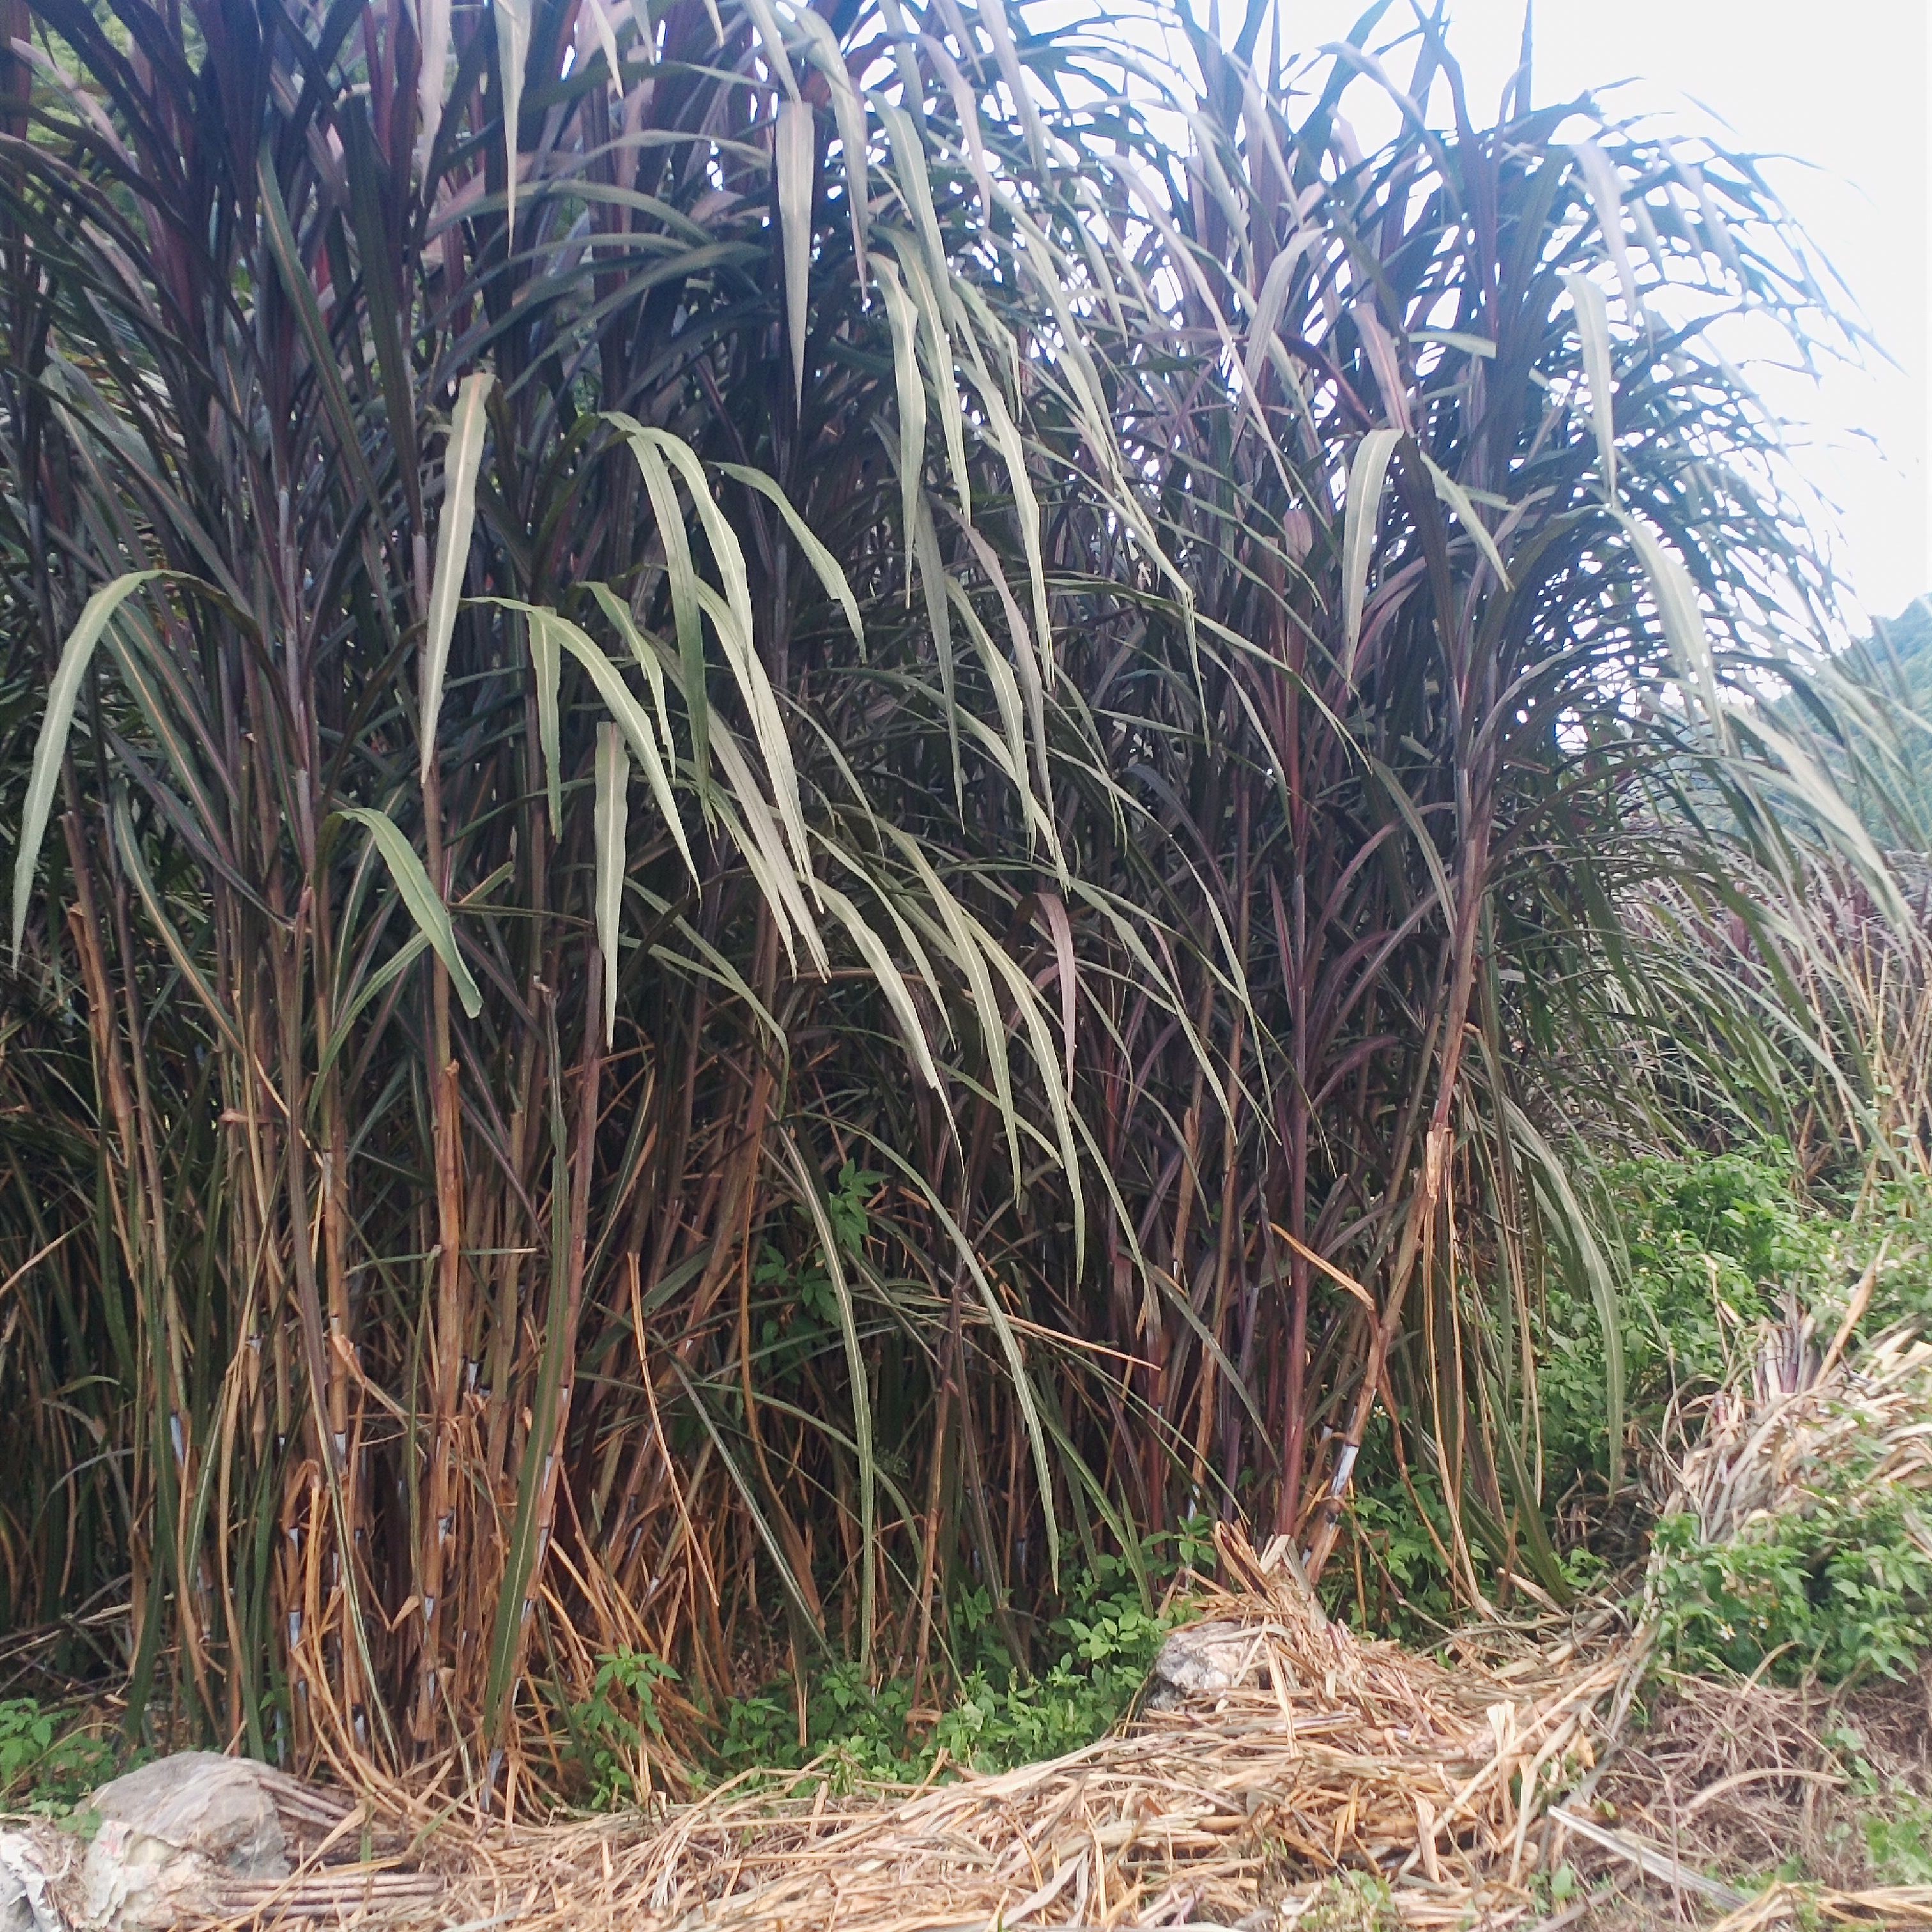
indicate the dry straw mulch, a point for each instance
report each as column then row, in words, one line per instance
column 1324, row 1753
column 1307, row 1752
column 1860, row 1424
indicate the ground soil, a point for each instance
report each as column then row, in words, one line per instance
column 1747, row 1781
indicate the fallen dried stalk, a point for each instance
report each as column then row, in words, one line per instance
column 1893, row 1906
column 1648, row 1859
column 1327, row 1753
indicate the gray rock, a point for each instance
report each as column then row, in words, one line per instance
column 170, row 1833
column 31, row 1859
column 1205, row 1660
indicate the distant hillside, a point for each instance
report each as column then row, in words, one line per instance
column 1894, row 664
column 1898, row 662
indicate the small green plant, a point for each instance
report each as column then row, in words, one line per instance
column 1899, row 1842
column 1351, row 1902
column 993, row 1714
column 1563, row 1886
column 803, row 1317
column 43, row 1766
column 1709, row 1245
column 1000, row 1719
column 610, row 1726
column 1844, row 1589
column 998, row 1715
column 26, row 1739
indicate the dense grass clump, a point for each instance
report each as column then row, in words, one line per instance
column 819, row 811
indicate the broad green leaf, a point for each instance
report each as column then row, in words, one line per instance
column 890, row 980
column 1683, row 620
column 909, row 388
column 398, row 963
column 129, row 846
column 1478, row 346
column 1569, row 1219
column 937, row 589
column 726, row 552
column 1026, row 514
column 424, row 902
column 1271, row 301
column 859, row 1375
column 821, row 559
column 795, row 151
column 550, row 636
column 460, row 462
column 611, row 816
column 513, row 48
column 1367, row 475
column 939, row 366
column 50, row 747
column 523, row 1536
column 658, row 766
column 993, row 16
column 1452, row 493
column 432, row 72
column 771, row 44
column 607, row 41
column 1593, row 324
column 1605, row 193
column 683, row 573
column 849, row 111
column 300, row 292
column 768, row 729
column 546, row 668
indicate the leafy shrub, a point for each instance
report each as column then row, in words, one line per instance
column 610, row 1726
column 43, row 1766
column 1899, row 1842
column 1000, row 1719
column 1711, row 1248
column 1708, row 1246
column 996, row 1715
column 1844, row 1589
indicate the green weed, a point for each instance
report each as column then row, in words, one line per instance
column 1899, row 1843
column 998, row 1714
column 47, row 1763
column 1843, row 1590
column 609, row 1727
column 994, row 1714
column 1351, row 1902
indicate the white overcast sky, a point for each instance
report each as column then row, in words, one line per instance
column 1843, row 85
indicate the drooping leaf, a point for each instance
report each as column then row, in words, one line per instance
column 1367, row 475
column 1593, row 323
column 612, row 818
column 795, row 151
column 512, row 19
column 424, row 902
column 460, row 463
column 50, row 747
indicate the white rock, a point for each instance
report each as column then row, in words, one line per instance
column 170, row 1833
column 1204, row 1661
column 29, row 1860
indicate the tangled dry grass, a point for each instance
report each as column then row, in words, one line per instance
column 1743, row 1777
column 1315, row 1752
column 1294, row 1754
column 1760, row 1449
